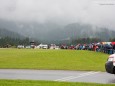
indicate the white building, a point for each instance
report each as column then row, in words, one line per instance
column 42, row 46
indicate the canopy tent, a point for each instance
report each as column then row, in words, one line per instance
column 113, row 43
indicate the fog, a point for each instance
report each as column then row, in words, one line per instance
column 96, row 12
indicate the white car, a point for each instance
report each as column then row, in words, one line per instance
column 110, row 64
column 20, row 46
column 28, row 47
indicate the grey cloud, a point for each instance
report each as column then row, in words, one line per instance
column 59, row 11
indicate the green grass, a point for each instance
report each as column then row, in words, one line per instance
column 52, row 59
column 46, row 83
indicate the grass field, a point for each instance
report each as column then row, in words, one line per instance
column 52, row 59
column 46, row 83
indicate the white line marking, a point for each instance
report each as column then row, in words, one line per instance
column 73, row 77
column 64, row 78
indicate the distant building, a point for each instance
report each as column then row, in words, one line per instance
column 32, row 44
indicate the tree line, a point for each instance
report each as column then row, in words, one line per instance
column 86, row 40
column 6, row 42
column 89, row 40
column 13, row 42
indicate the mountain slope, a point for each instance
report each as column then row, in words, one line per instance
column 76, row 30
column 8, row 33
column 55, row 32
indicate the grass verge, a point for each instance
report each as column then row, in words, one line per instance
column 46, row 83
column 52, row 59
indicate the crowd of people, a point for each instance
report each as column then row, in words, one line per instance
column 106, row 47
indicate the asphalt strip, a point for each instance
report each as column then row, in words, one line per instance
column 79, row 76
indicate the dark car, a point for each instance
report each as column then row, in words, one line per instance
column 110, row 64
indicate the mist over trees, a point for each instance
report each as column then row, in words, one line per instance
column 13, row 42
column 7, row 33
column 57, row 21
column 49, row 33
column 9, row 38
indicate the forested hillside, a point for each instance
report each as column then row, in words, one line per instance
column 10, row 38
column 8, row 33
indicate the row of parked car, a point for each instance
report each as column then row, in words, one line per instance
column 92, row 46
column 41, row 46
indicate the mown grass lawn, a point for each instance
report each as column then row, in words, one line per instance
column 52, row 59
column 46, row 83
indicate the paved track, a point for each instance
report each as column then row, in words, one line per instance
column 56, row 75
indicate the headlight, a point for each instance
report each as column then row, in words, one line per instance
column 110, row 59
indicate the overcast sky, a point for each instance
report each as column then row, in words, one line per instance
column 97, row 12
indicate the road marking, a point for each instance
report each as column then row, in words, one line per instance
column 73, row 77
column 64, row 78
